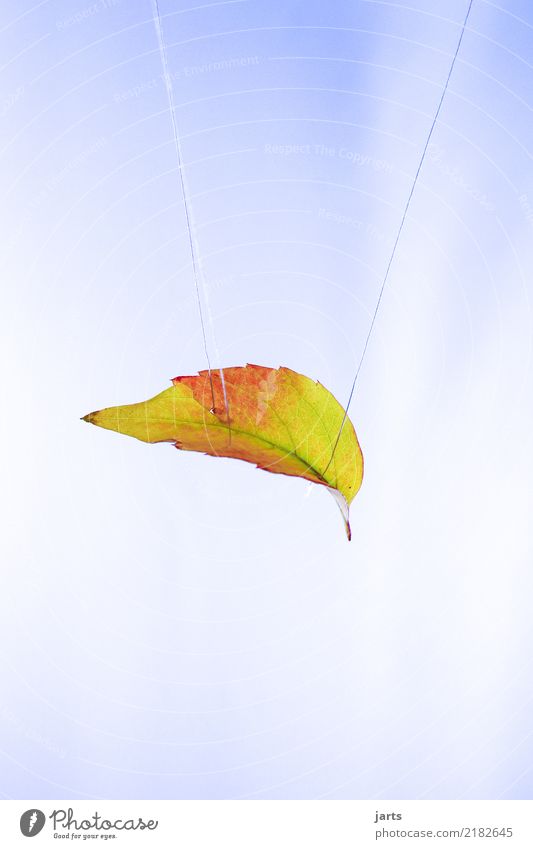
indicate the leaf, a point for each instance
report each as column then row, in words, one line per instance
column 278, row 419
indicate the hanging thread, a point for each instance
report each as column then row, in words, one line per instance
column 400, row 228
column 199, row 278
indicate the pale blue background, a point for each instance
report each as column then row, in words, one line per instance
column 173, row 626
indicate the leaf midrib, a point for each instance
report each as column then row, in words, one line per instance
column 218, row 424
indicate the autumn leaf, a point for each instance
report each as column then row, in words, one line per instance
column 278, row 419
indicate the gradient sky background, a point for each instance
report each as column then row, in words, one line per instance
column 174, row 626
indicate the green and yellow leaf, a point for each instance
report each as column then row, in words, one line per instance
column 278, row 419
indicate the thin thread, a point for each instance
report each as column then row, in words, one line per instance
column 199, row 279
column 400, row 228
